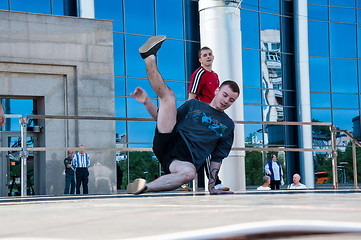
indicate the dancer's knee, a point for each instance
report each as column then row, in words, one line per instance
column 188, row 176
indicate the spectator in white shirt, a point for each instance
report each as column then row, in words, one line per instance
column 296, row 183
column 266, row 183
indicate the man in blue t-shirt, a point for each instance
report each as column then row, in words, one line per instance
column 184, row 137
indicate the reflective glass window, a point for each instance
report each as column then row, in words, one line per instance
column 272, row 97
column 250, row 29
column 289, row 98
column 319, row 74
column 17, row 107
column 171, row 60
column 179, row 89
column 318, row 38
column 139, row 16
column 4, row 5
column 58, row 7
column 273, row 113
column 344, row 75
column 39, row 6
column 343, row 3
column 269, row 22
column 170, row 23
column 118, row 48
column 345, row 101
column 359, row 40
column 120, row 107
column 137, row 109
column 119, row 86
column 179, row 103
column 270, row 6
column 320, row 2
column 322, row 115
column 343, row 14
column 249, row 4
column 253, row 134
column 252, row 113
column 320, row 100
column 343, row 40
column 135, row 64
column 110, row 10
column 141, row 132
column 132, row 83
column 120, row 129
column 274, row 135
column 251, row 68
column 319, row 13
column 252, row 95
column 343, row 118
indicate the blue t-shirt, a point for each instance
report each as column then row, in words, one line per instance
column 205, row 130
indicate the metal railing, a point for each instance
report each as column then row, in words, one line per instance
column 24, row 150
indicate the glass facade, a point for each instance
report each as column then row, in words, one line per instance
column 269, row 94
column 268, row 69
column 334, row 77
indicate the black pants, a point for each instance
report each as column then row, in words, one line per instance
column 81, row 176
column 275, row 184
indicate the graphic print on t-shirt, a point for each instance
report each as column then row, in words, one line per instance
column 207, row 121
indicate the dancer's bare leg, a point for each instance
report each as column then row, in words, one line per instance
column 167, row 114
column 181, row 173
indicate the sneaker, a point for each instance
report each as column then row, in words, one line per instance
column 152, row 46
column 185, row 187
column 136, row 187
column 221, row 187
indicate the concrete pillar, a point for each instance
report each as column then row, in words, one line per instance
column 221, row 31
column 303, row 90
column 86, row 9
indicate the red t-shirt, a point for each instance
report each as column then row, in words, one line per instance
column 204, row 83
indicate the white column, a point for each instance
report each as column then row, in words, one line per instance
column 221, row 31
column 86, row 8
column 303, row 90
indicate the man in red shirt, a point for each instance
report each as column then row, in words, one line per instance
column 204, row 82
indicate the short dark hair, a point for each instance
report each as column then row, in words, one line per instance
column 232, row 85
column 200, row 51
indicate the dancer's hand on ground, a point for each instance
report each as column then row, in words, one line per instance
column 2, row 119
column 140, row 95
column 213, row 191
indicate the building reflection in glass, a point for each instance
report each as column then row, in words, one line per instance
column 271, row 67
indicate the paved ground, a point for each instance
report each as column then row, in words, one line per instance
column 182, row 215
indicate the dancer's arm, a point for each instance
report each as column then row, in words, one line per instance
column 2, row 116
column 213, row 173
column 141, row 96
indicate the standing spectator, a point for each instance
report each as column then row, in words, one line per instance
column 274, row 170
column 296, row 183
column 119, row 176
column 80, row 164
column 2, row 115
column 266, row 183
column 69, row 174
column 204, row 82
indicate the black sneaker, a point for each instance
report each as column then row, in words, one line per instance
column 152, row 46
column 136, row 187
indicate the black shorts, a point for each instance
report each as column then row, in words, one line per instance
column 170, row 146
